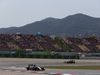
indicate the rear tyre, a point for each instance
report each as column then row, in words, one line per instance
column 27, row 68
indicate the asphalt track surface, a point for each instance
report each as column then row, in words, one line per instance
column 76, row 72
column 21, row 64
column 19, row 67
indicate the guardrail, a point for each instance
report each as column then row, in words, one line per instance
column 38, row 56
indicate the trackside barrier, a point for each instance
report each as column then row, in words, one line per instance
column 38, row 56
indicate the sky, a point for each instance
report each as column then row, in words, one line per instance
column 21, row 12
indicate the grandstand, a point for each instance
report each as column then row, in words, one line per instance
column 26, row 41
column 44, row 42
column 83, row 44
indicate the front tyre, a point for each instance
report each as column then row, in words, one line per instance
column 42, row 69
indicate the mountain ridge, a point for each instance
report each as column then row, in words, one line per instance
column 72, row 25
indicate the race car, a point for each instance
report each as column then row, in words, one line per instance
column 34, row 67
column 70, row 61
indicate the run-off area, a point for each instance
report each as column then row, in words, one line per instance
column 13, row 72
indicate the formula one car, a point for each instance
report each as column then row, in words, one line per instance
column 70, row 61
column 34, row 67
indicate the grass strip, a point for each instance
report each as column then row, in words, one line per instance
column 74, row 67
